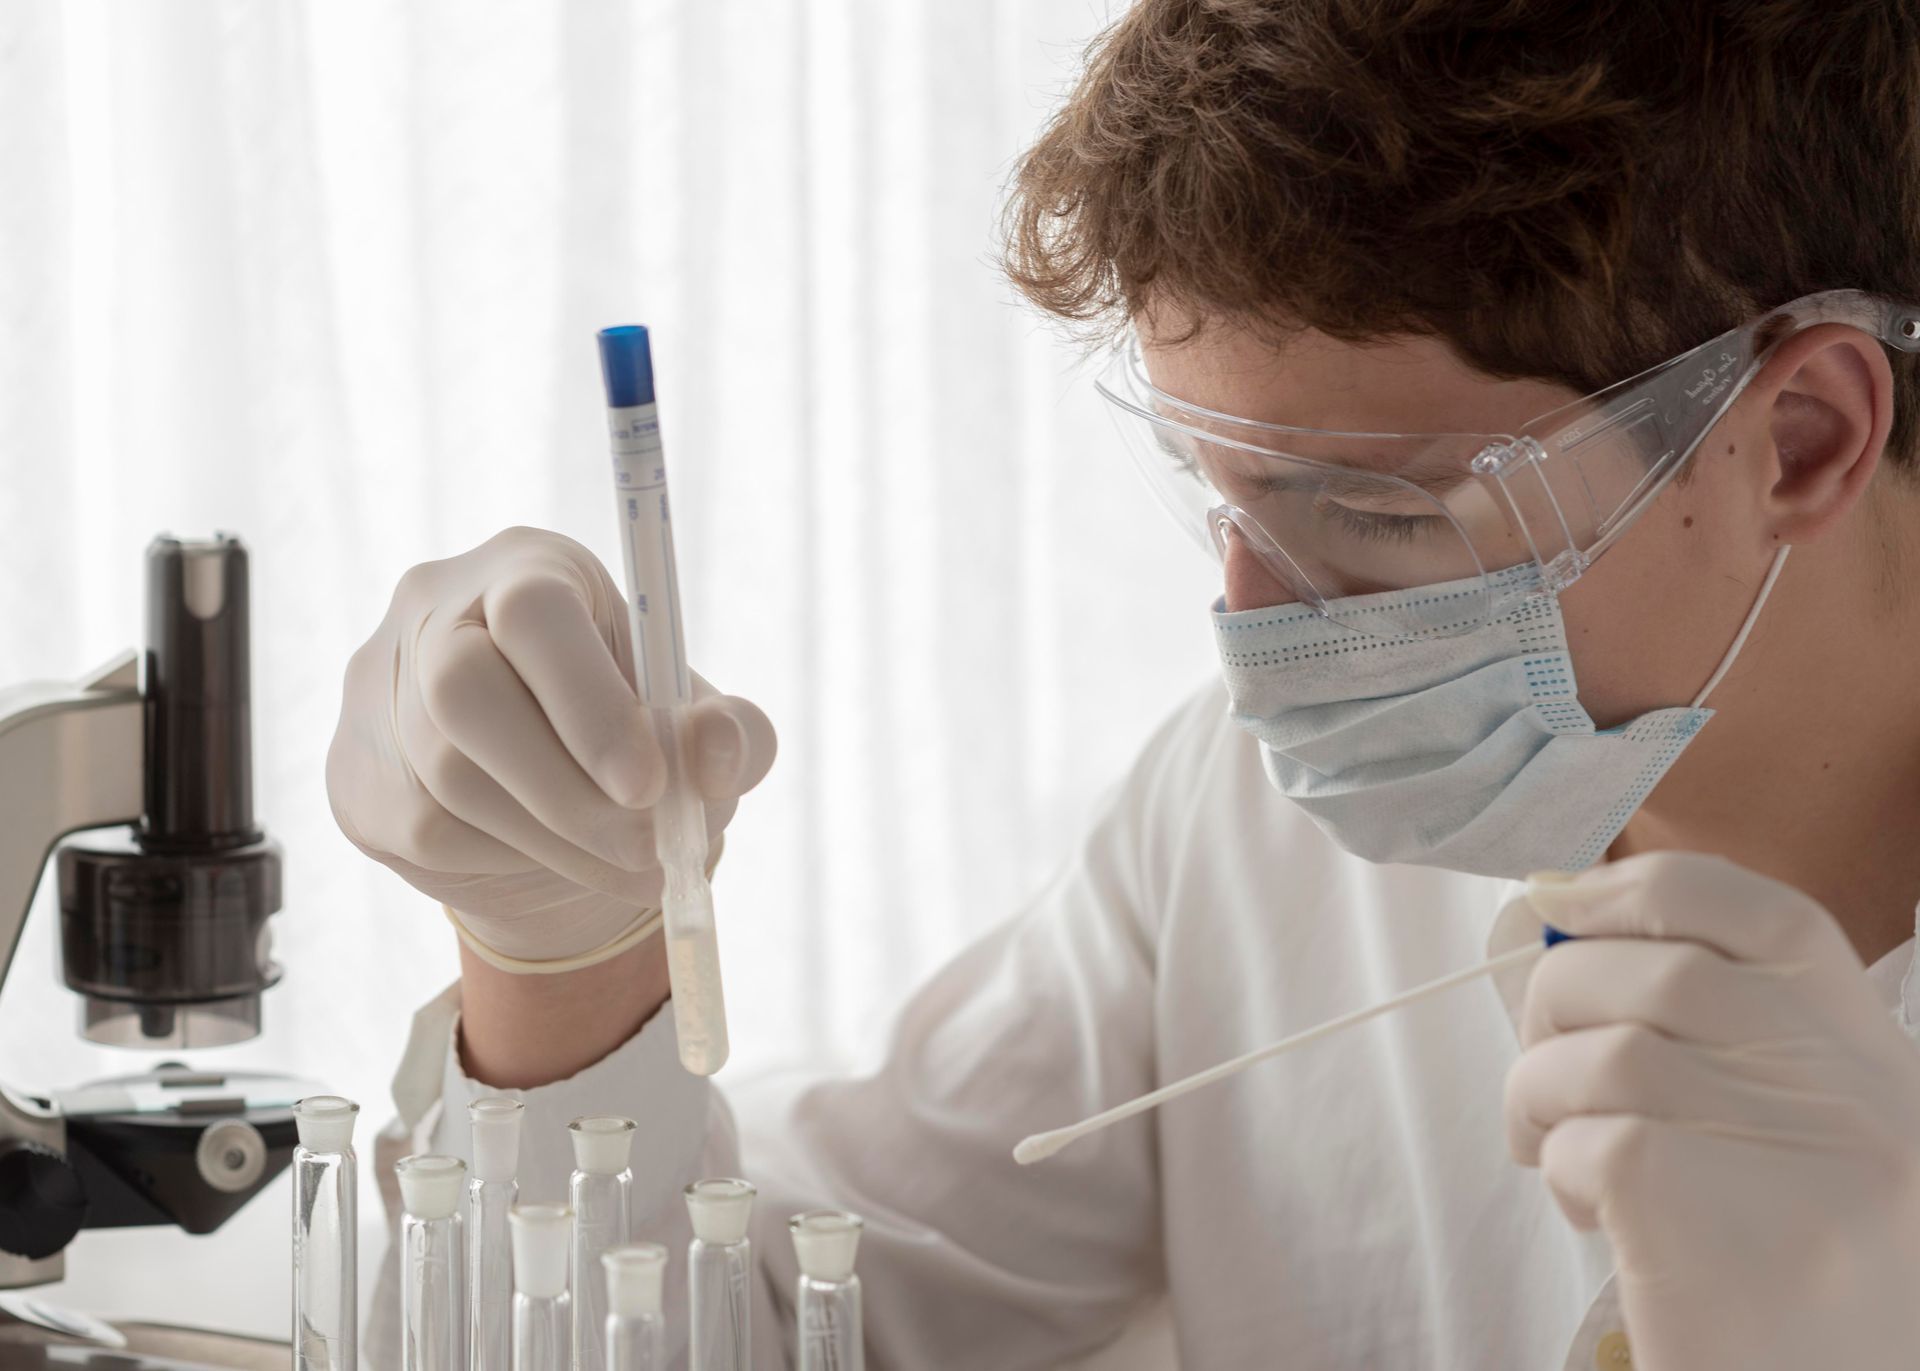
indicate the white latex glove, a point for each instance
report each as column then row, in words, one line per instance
column 1710, row 1079
column 492, row 751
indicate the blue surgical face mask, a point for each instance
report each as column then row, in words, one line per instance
column 1469, row 752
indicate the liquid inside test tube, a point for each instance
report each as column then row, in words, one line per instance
column 693, row 953
column 700, row 1017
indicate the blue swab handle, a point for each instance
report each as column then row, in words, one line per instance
column 1551, row 935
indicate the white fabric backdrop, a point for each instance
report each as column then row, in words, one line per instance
column 328, row 275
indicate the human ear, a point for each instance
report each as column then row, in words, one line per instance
column 1828, row 392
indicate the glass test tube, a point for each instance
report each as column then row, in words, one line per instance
column 720, row 1276
column 433, row 1269
column 635, row 1332
column 542, row 1312
column 491, row 1192
column 326, row 1295
column 601, row 1193
column 827, row 1305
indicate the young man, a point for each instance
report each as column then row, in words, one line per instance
column 1450, row 658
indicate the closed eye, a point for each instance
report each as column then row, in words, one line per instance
column 1376, row 526
column 1178, row 456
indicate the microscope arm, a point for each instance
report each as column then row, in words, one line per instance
column 70, row 758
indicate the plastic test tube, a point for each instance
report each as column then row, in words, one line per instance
column 491, row 1192
column 601, row 1193
column 433, row 1273
column 542, row 1312
column 635, row 1332
column 720, row 1276
column 326, row 1296
column 665, row 687
column 827, row 1304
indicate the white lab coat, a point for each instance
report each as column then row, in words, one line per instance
column 1348, row 1206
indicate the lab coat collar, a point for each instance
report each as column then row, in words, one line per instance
column 417, row 1080
column 1895, row 977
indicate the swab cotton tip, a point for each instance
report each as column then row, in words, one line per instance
column 1039, row 1147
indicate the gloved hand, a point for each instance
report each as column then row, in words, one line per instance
column 492, row 751
column 1709, row 1077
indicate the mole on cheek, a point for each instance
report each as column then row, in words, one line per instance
column 1687, row 522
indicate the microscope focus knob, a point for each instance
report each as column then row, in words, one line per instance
column 41, row 1203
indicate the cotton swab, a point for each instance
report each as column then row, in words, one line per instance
column 1043, row 1145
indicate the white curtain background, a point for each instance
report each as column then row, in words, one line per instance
column 327, row 275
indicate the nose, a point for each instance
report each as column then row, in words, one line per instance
column 1251, row 584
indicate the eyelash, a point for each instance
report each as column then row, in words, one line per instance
column 1383, row 528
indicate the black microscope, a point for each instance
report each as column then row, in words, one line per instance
column 163, row 922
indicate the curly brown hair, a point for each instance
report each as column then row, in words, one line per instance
column 1569, row 190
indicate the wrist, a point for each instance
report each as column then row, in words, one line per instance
column 520, row 1031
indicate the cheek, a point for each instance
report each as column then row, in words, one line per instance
column 1653, row 617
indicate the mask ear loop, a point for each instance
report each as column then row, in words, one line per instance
column 1740, row 638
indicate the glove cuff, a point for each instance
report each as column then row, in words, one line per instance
column 645, row 924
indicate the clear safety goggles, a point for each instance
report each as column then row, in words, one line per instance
column 1345, row 520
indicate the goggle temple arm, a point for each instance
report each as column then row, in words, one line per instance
column 1518, row 464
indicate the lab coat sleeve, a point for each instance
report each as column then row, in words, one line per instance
column 968, row 1259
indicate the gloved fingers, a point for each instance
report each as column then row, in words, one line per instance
column 475, row 718
column 732, row 746
column 1588, row 1161
column 540, row 620
column 458, row 784
column 414, row 832
column 476, row 798
column 1626, row 1068
column 545, row 619
column 475, row 703
column 1599, row 1167
column 1698, row 898
column 1682, row 989
column 439, row 853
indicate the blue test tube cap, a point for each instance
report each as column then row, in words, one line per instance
column 626, row 364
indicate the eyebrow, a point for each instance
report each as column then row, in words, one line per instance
column 1435, row 478
column 1435, row 475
